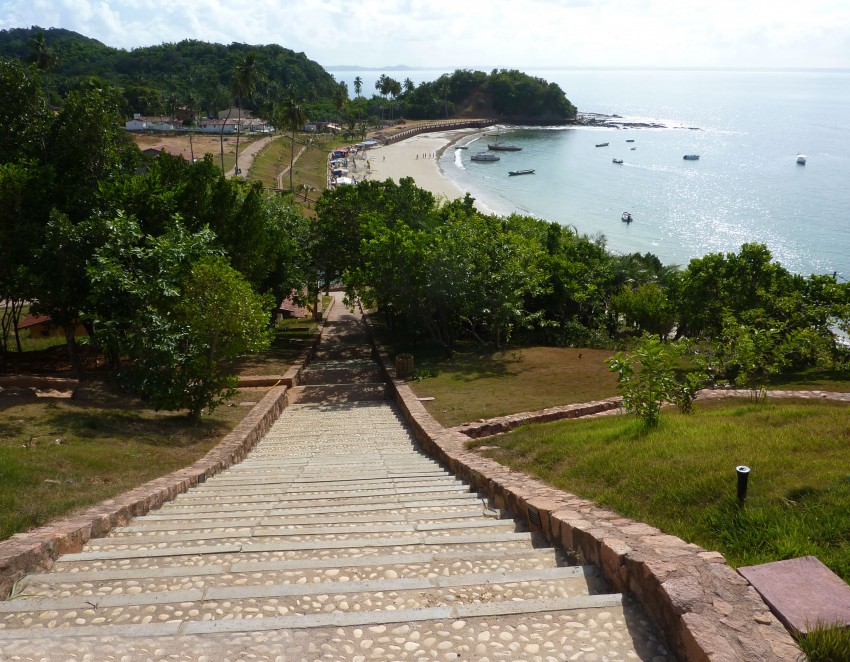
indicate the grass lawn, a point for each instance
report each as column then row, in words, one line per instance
column 310, row 169
column 57, row 456
column 292, row 337
column 681, row 476
column 480, row 383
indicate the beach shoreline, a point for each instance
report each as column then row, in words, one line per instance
column 419, row 157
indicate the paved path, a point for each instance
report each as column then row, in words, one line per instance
column 335, row 540
column 248, row 154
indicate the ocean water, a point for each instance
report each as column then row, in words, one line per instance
column 747, row 127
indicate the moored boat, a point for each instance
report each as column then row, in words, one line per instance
column 691, row 157
column 620, row 161
column 626, row 217
column 630, row 140
column 504, row 148
column 801, row 159
column 527, row 171
column 484, row 157
column 602, row 144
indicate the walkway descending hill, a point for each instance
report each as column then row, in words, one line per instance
column 335, row 540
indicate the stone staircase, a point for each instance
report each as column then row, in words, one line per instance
column 335, row 540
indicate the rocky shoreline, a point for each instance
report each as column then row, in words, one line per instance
column 618, row 122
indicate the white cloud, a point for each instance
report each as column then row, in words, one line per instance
column 755, row 33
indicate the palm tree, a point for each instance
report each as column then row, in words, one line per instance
column 358, row 86
column 245, row 79
column 408, row 86
column 394, row 89
column 44, row 57
column 292, row 117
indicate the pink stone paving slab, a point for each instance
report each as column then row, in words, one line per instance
column 801, row 592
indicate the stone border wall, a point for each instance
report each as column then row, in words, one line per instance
column 37, row 549
column 705, row 609
column 437, row 126
column 501, row 424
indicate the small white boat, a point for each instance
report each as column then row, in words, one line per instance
column 691, row 157
column 484, row 157
column 801, row 159
column 626, row 217
column 620, row 161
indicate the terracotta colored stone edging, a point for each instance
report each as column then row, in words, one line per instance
column 38, row 549
column 500, row 424
column 705, row 609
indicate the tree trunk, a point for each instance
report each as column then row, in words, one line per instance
column 238, row 132
column 221, row 135
column 77, row 368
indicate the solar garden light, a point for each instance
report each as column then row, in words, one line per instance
column 743, row 472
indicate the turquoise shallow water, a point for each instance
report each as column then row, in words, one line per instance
column 745, row 187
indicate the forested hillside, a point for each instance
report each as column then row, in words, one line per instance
column 156, row 78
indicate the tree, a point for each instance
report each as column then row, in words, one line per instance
column 340, row 97
column 178, row 310
column 646, row 378
column 245, row 79
column 358, row 85
column 647, row 308
column 42, row 56
column 291, row 116
column 408, row 86
column 24, row 115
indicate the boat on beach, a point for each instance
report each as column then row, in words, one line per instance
column 484, row 157
column 691, row 157
column 602, row 145
column 527, row 171
column 626, row 217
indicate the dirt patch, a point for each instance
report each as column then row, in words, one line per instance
column 179, row 144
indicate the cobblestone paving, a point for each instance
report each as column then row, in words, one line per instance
column 334, row 540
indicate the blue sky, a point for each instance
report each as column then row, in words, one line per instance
column 463, row 33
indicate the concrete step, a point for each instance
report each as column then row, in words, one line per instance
column 333, row 569
column 350, row 502
column 405, row 509
column 327, row 372
column 546, row 633
column 328, row 351
column 267, row 533
column 282, row 550
column 337, row 393
column 306, row 599
column 303, row 519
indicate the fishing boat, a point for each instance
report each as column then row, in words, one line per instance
column 527, row 171
column 801, row 159
column 691, row 157
column 484, row 157
column 626, row 217
column 619, row 161
column 602, row 145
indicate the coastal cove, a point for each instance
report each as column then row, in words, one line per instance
column 746, row 187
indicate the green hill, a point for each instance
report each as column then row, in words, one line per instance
column 189, row 72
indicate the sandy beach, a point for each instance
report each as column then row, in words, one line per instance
column 416, row 157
